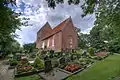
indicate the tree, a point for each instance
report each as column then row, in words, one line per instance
column 29, row 47
column 9, row 22
column 83, row 39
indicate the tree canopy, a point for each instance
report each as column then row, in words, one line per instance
column 30, row 47
column 9, row 22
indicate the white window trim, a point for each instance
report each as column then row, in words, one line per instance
column 48, row 43
column 43, row 44
column 53, row 43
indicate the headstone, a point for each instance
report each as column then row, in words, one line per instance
column 48, row 66
column 73, row 51
column 51, row 53
column 46, row 57
column 84, row 54
column 43, row 53
column 68, row 59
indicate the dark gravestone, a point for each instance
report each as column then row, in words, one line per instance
column 84, row 54
column 43, row 53
column 51, row 53
column 62, row 60
column 48, row 66
column 46, row 57
column 68, row 59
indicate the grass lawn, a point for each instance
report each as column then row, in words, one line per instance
column 32, row 77
column 103, row 70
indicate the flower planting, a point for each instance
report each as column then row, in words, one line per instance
column 24, row 66
column 72, row 67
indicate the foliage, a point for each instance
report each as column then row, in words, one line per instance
column 114, row 46
column 30, row 47
column 102, row 70
column 38, row 63
column 13, row 62
column 23, row 66
column 9, row 22
column 83, row 39
column 62, row 65
column 91, row 51
column 24, row 61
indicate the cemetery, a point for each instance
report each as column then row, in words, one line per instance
column 50, row 65
column 59, row 40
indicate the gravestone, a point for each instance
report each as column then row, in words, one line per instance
column 62, row 60
column 51, row 53
column 84, row 53
column 48, row 66
column 46, row 57
column 68, row 59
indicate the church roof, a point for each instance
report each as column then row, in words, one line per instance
column 58, row 28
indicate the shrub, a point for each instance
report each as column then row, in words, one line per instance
column 62, row 65
column 91, row 51
column 38, row 63
column 24, row 61
column 13, row 62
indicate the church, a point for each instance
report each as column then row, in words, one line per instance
column 62, row 37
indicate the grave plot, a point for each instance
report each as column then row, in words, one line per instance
column 50, row 73
column 24, row 68
column 73, row 65
column 55, row 74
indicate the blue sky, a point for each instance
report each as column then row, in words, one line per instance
column 39, row 14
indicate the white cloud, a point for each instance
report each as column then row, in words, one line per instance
column 86, row 31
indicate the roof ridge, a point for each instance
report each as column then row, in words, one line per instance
column 59, row 27
column 43, row 26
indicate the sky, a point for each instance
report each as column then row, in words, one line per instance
column 39, row 13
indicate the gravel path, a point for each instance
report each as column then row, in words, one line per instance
column 5, row 74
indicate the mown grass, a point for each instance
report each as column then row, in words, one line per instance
column 103, row 70
column 32, row 77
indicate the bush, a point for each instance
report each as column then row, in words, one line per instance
column 91, row 51
column 24, row 61
column 13, row 62
column 38, row 63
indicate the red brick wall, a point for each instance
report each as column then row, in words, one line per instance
column 69, row 30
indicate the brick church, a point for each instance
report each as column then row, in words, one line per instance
column 62, row 37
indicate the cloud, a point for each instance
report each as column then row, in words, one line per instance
column 39, row 14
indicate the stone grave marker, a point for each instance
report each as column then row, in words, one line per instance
column 68, row 59
column 48, row 66
column 84, row 53
column 51, row 53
